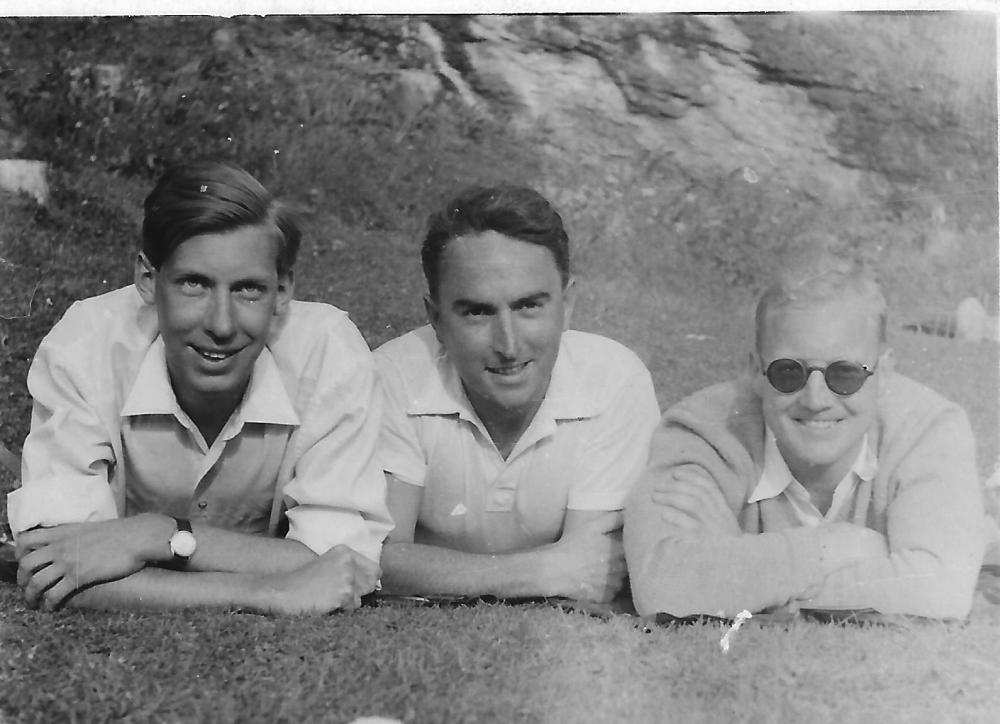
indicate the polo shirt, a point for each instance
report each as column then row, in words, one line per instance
column 583, row 449
column 108, row 437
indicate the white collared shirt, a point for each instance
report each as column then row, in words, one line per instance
column 108, row 437
column 777, row 480
column 584, row 448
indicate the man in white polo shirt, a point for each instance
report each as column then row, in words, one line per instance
column 508, row 443
column 199, row 438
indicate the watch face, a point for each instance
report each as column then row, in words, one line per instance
column 182, row 544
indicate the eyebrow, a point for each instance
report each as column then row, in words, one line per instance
column 471, row 304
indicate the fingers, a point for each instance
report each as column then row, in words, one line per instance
column 679, row 519
column 691, row 502
column 684, row 476
column 45, row 588
column 31, row 540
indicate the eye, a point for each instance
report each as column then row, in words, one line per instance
column 251, row 292
column 531, row 306
column 475, row 312
column 191, row 285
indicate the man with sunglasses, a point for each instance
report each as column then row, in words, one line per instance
column 824, row 480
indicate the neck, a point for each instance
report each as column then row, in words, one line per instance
column 209, row 413
column 506, row 426
column 822, row 480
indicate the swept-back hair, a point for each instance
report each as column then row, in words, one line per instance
column 515, row 211
column 212, row 197
column 818, row 278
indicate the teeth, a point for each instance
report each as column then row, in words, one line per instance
column 213, row 355
column 507, row 371
column 822, row 424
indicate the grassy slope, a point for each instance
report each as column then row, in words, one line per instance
column 486, row 663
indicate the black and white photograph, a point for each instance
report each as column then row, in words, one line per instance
column 499, row 363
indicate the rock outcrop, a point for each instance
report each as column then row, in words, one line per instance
column 842, row 108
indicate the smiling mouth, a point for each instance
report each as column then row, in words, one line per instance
column 210, row 355
column 819, row 424
column 508, row 370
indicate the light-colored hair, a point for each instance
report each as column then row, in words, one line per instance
column 816, row 279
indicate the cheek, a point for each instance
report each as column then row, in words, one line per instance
column 463, row 342
column 255, row 319
column 177, row 316
column 774, row 409
column 864, row 407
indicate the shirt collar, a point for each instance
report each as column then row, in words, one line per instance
column 567, row 397
column 776, row 476
column 265, row 401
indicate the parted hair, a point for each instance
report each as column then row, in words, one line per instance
column 515, row 211
column 816, row 278
column 211, row 197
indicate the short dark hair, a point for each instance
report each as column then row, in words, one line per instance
column 515, row 211
column 212, row 197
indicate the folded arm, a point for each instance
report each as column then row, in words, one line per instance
column 925, row 565
column 586, row 562
column 334, row 581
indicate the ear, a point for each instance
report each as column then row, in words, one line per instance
column 286, row 291
column 433, row 313
column 569, row 301
column 144, row 278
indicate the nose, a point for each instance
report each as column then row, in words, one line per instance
column 219, row 322
column 816, row 395
column 505, row 336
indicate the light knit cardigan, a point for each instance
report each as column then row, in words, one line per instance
column 913, row 543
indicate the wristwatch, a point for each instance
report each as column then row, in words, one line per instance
column 183, row 543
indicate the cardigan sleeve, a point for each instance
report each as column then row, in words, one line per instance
column 934, row 532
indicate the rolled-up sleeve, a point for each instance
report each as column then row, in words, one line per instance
column 336, row 491
column 68, row 454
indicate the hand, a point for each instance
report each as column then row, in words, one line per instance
column 55, row 562
column 588, row 561
column 333, row 581
column 692, row 501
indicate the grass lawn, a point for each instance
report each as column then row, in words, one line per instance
column 487, row 663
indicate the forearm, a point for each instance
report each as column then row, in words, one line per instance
column 227, row 551
column 914, row 581
column 158, row 589
column 686, row 574
column 414, row 568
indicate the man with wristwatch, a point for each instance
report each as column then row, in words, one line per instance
column 199, row 438
column 823, row 479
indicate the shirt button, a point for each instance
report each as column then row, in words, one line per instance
column 202, row 504
column 503, row 498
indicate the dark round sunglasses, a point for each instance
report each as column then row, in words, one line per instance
column 842, row 377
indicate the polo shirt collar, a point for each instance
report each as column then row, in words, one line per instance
column 567, row 397
column 776, row 476
column 265, row 401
